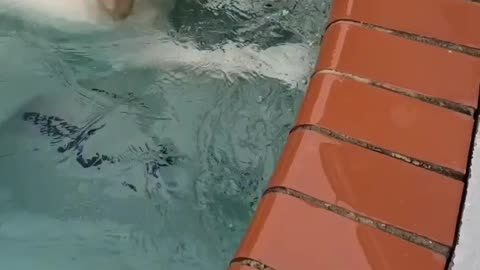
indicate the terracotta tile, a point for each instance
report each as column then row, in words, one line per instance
column 240, row 267
column 388, row 120
column 288, row 233
column 370, row 184
column 418, row 67
column 449, row 20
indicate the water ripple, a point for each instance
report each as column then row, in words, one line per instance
column 143, row 147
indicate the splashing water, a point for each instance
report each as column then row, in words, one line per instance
column 144, row 144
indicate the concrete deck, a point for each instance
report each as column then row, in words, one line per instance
column 467, row 252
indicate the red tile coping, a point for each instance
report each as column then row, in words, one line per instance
column 288, row 233
column 398, row 123
column 401, row 63
column 372, row 174
column 448, row 20
column 370, row 184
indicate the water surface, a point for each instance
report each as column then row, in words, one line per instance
column 140, row 147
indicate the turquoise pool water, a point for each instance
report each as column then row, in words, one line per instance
column 145, row 147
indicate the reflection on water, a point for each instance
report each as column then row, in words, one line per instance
column 140, row 148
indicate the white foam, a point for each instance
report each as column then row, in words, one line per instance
column 290, row 62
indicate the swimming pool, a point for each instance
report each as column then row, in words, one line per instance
column 121, row 149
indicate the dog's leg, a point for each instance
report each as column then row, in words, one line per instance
column 117, row 9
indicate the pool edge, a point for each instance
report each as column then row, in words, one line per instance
column 393, row 103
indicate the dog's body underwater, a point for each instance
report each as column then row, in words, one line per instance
column 289, row 62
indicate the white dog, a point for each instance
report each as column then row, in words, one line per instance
column 98, row 12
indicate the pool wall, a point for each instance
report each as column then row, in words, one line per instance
column 374, row 170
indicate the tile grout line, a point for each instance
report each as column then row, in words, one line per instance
column 251, row 263
column 414, row 37
column 411, row 237
column 443, row 103
column 455, row 175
